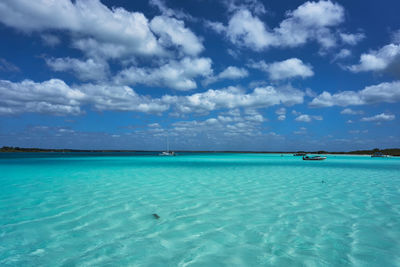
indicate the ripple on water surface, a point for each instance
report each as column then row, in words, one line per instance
column 228, row 210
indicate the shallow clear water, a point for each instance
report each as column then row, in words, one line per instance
column 215, row 210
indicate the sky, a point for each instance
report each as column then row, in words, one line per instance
column 247, row 75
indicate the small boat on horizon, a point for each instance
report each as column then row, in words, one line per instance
column 167, row 153
column 313, row 158
column 299, row 154
column 379, row 155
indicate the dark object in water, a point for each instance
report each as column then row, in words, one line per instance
column 155, row 215
column 323, row 181
column 313, row 158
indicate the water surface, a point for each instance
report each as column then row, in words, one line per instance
column 215, row 210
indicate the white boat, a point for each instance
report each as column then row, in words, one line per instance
column 313, row 158
column 167, row 153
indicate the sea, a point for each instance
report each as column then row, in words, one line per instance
column 204, row 209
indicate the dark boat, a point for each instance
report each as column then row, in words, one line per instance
column 313, row 158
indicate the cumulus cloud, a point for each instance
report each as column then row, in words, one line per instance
column 173, row 32
column 160, row 4
column 122, row 98
column 379, row 118
column 178, row 75
column 383, row 92
column 311, row 21
column 281, row 112
column 224, row 125
column 246, row 30
column 352, row 38
column 308, row 118
column 343, row 53
column 84, row 70
column 56, row 97
column 88, row 18
column 254, row 6
column 52, row 96
column 230, row 72
column 100, row 30
column 349, row 111
column 377, row 60
column 233, row 97
column 286, row 69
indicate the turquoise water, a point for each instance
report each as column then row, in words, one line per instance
column 215, row 210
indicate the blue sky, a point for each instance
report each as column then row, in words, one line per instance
column 211, row 75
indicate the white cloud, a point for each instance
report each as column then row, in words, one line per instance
column 383, row 92
column 309, row 22
column 160, row 4
column 153, row 125
column 343, row 53
column 84, row 70
column 349, row 111
column 318, row 118
column 254, row 6
column 232, row 97
column 310, row 92
column 253, row 115
column 218, row 27
column 245, row 30
column 99, row 30
column 230, row 72
column 308, row 118
column 52, row 96
column 116, row 26
column 50, row 39
column 377, row 60
column 286, row 69
column 281, row 112
column 122, row 98
column 352, row 39
column 282, row 117
column 296, row 113
column 56, row 97
column 178, row 75
column 302, row 130
column 224, row 125
column 173, row 32
column 380, row 117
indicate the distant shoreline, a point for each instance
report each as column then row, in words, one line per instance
column 389, row 151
